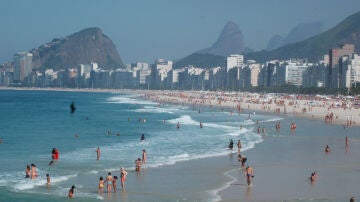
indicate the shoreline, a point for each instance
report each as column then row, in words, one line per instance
column 314, row 108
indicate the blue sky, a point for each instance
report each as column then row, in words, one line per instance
column 144, row 30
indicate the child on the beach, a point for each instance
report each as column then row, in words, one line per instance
column 101, row 185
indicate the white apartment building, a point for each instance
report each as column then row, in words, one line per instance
column 351, row 69
column 163, row 67
column 234, row 61
column 294, row 72
column 254, row 74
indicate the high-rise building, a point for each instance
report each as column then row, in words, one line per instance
column 334, row 55
column 234, row 61
column 22, row 65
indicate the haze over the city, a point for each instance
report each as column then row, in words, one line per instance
column 146, row 30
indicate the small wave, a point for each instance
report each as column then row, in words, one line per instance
column 184, row 119
column 128, row 100
column 149, row 109
column 25, row 184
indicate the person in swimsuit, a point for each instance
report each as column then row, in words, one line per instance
column 27, row 172
column 47, row 179
column 109, row 180
column 143, row 160
column 101, row 186
column 98, row 152
column 327, row 149
column 33, row 171
column 114, row 183
column 242, row 159
column 71, row 192
column 239, row 145
column 123, row 175
column 249, row 174
column 137, row 165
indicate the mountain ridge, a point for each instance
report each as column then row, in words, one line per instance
column 82, row 47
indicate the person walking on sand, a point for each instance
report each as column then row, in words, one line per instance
column 143, row 159
column 98, row 153
column 71, row 192
column 101, row 186
column 249, row 174
column 123, row 175
column 109, row 180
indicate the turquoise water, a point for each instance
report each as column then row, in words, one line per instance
column 33, row 122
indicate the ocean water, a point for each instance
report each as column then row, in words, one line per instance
column 34, row 122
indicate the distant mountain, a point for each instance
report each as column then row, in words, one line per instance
column 347, row 31
column 230, row 41
column 300, row 32
column 83, row 47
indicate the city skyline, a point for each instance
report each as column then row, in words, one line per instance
column 144, row 31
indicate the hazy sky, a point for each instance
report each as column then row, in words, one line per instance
column 144, row 30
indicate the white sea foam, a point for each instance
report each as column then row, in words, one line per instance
column 215, row 193
column 151, row 109
column 25, row 184
column 184, row 119
column 128, row 100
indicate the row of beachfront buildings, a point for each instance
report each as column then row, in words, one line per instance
column 339, row 69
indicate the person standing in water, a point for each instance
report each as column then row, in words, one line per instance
column 71, row 192
column 231, row 144
column 239, row 145
column 249, row 174
column 98, row 152
column 123, row 175
column 27, row 172
column 33, row 171
column 109, row 180
column 101, row 186
column 143, row 159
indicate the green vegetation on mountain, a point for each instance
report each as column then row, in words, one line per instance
column 83, row 47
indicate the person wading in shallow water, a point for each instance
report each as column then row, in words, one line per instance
column 249, row 174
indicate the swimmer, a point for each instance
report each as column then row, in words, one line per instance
column 71, row 192
column 47, row 179
column 51, row 163
column 327, row 149
column 27, row 172
column 313, row 176
column 98, row 152
column 201, row 125
column 231, row 144
column 33, row 171
column 142, row 138
column 143, row 159
column 101, row 186
column 239, row 145
column 178, row 125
